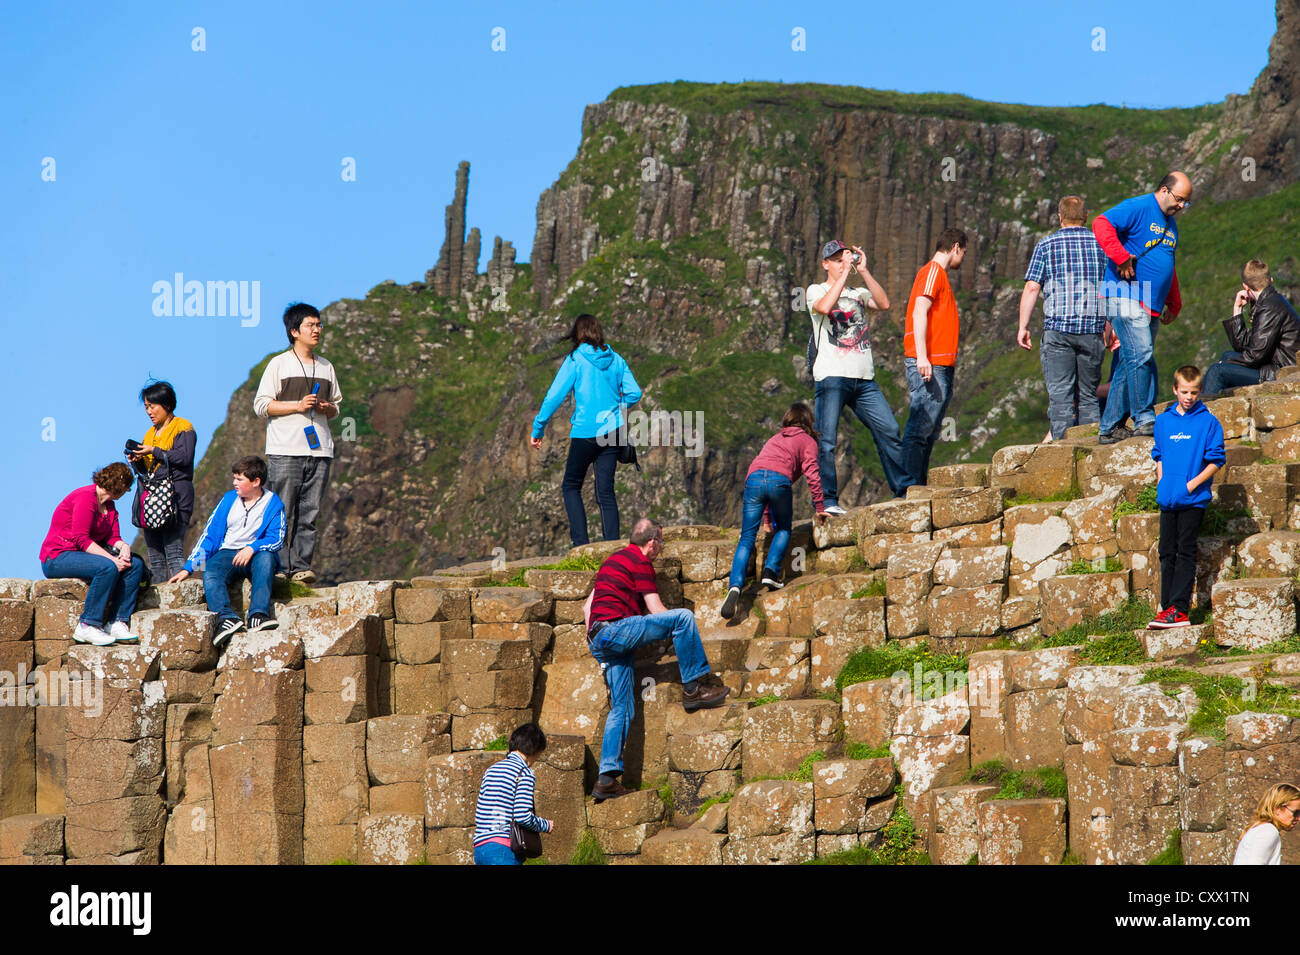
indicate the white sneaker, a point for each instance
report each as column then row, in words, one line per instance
column 85, row 633
column 120, row 631
column 835, row 509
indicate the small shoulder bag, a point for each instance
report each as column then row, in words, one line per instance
column 524, row 841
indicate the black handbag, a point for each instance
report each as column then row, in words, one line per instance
column 154, row 507
column 626, row 449
column 524, row 841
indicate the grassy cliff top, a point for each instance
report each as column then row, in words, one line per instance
column 727, row 98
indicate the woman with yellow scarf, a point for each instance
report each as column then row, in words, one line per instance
column 169, row 444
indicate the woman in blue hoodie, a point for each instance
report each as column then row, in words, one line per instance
column 602, row 386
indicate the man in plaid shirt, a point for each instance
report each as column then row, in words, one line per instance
column 1068, row 267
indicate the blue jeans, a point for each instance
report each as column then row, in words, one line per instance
column 583, row 453
column 1225, row 373
column 112, row 593
column 929, row 403
column 764, row 489
column 1133, row 390
column 494, row 853
column 615, row 646
column 868, row 403
column 220, row 569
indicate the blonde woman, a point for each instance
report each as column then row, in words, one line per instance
column 1277, row 812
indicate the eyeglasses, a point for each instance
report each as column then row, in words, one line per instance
column 1187, row 203
column 1293, row 812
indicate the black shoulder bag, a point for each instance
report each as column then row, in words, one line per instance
column 524, row 841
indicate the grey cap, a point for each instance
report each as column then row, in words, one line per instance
column 833, row 247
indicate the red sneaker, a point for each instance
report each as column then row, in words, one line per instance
column 1168, row 618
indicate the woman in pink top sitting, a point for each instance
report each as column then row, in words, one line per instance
column 769, row 485
column 84, row 542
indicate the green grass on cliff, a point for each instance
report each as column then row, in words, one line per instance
column 1045, row 782
column 1221, row 696
column 872, row 663
column 1096, row 123
column 1172, row 854
column 901, row 843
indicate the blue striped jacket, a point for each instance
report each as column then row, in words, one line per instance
column 505, row 793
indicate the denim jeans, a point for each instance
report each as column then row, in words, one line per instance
column 1133, row 390
column 1228, row 374
column 615, row 646
column 583, row 453
column 299, row 480
column 220, row 569
column 868, row 402
column 112, row 593
column 764, row 489
column 494, row 853
column 929, row 403
column 166, row 548
column 1072, row 372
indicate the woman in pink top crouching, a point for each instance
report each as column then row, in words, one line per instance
column 769, row 486
column 85, row 542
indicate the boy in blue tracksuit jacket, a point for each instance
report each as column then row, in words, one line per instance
column 242, row 539
column 1187, row 452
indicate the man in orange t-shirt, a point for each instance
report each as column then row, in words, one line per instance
column 930, row 346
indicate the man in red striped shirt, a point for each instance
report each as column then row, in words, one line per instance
column 624, row 612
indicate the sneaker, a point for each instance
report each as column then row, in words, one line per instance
column 226, row 629
column 304, row 577
column 260, row 621
column 1114, row 435
column 98, row 636
column 1161, row 619
column 121, row 632
column 835, row 509
column 729, row 605
column 708, row 694
column 772, row 580
column 1169, row 618
column 1145, row 430
column 611, row 790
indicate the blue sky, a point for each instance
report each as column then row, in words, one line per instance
column 224, row 164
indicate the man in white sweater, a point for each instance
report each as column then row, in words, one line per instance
column 298, row 395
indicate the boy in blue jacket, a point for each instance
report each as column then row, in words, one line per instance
column 1187, row 452
column 242, row 539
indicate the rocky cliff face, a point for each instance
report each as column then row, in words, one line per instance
column 689, row 222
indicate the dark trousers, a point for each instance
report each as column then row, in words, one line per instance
column 1178, row 530
column 166, row 549
column 583, row 453
column 299, row 481
column 1226, row 373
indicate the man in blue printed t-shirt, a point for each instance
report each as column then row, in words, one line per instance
column 1140, row 238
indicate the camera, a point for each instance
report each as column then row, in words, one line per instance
column 856, row 258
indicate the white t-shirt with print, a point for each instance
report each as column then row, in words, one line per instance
column 843, row 342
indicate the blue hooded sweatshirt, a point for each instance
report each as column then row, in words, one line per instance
column 597, row 379
column 1185, row 444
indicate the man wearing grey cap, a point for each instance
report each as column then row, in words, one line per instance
column 840, row 358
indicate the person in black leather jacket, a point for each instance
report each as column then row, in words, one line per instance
column 1271, row 341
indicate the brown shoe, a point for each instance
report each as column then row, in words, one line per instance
column 709, row 692
column 600, row 792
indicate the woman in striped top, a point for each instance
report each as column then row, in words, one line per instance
column 506, row 793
